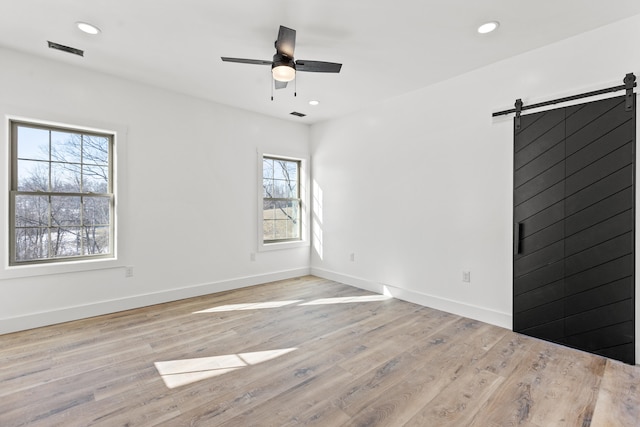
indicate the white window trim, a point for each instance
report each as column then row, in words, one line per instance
column 119, row 132
column 305, row 190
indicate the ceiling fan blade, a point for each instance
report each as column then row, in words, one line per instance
column 286, row 43
column 318, row 66
column 279, row 84
column 246, row 61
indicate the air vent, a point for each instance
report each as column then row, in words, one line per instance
column 64, row 48
column 295, row 113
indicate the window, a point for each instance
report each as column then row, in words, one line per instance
column 281, row 201
column 62, row 200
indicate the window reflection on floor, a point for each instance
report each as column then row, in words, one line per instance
column 177, row 373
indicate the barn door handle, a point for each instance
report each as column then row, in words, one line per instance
column 518, row 237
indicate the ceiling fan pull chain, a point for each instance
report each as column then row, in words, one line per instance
column 295, row 87
column 272, row 83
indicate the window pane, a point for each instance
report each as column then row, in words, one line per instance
column 32, row 243
column 267, row 188
column 95, row 179
column 292, row 190
column 292, row 230
column 292, row 170
column 95, row 240
column 95, row 150
column 279, row 211
column 65, row 177
column 32, row 211
column 33, row 143
column 268, row 209
column 33, row 176
column 280, row 229
column 65, row 211
column 267, row 168
column 268, row 229
column 66, row 147
column 66, row 241
column 279, row 188
column 96, row 210
column 280, row 169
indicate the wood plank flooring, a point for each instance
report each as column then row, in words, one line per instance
column 305, row 351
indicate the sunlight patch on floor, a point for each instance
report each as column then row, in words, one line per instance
column 177, row 373
column 277, row 304
column 248, row 306
column 345, row 300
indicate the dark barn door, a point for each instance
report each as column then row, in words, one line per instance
column 574, row 214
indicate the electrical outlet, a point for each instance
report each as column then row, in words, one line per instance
column 252, row 256
column 352, row 257
column 128, row 272
column 466, row 276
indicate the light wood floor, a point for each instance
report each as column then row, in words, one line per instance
column 303, row 352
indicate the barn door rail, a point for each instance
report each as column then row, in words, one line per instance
column 629, row 83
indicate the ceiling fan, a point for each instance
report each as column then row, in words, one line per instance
column 283, row 66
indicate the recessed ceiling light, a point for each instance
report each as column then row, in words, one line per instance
column 314, row 102
column 87, row 28
column 488, row 27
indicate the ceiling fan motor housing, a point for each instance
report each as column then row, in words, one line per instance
column 280, row 60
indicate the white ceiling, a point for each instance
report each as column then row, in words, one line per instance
column 386, row 47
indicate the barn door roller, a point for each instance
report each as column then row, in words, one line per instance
column 629, row 84
column 518, row 106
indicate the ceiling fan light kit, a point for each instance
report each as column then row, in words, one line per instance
column 283, row 73
column 283, row 65
column 283, row 68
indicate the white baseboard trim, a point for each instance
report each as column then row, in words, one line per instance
column 482, row 314
column 66, row 314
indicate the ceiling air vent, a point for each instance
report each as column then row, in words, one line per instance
column 295, row 113
column 64, row 48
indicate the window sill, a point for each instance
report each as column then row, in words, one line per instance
column 19, row 271
column 264, row 247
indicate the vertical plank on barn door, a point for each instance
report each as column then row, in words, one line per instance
column 574, row 216
column 538, row 266
column 599, row 240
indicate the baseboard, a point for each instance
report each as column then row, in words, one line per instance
column 482, row 314
column 66, row 314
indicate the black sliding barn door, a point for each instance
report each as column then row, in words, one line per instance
column 574, row 214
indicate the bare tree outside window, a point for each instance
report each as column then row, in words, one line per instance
column 281, row 199
column 61, row 194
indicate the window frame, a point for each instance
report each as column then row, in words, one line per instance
column 303, row 196
column 15, row 192
column 120, row 251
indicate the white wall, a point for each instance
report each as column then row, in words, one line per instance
column 188, row 190
column 419, row 188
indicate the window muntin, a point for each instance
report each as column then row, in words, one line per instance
column 281, row 210
column 62, row 200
